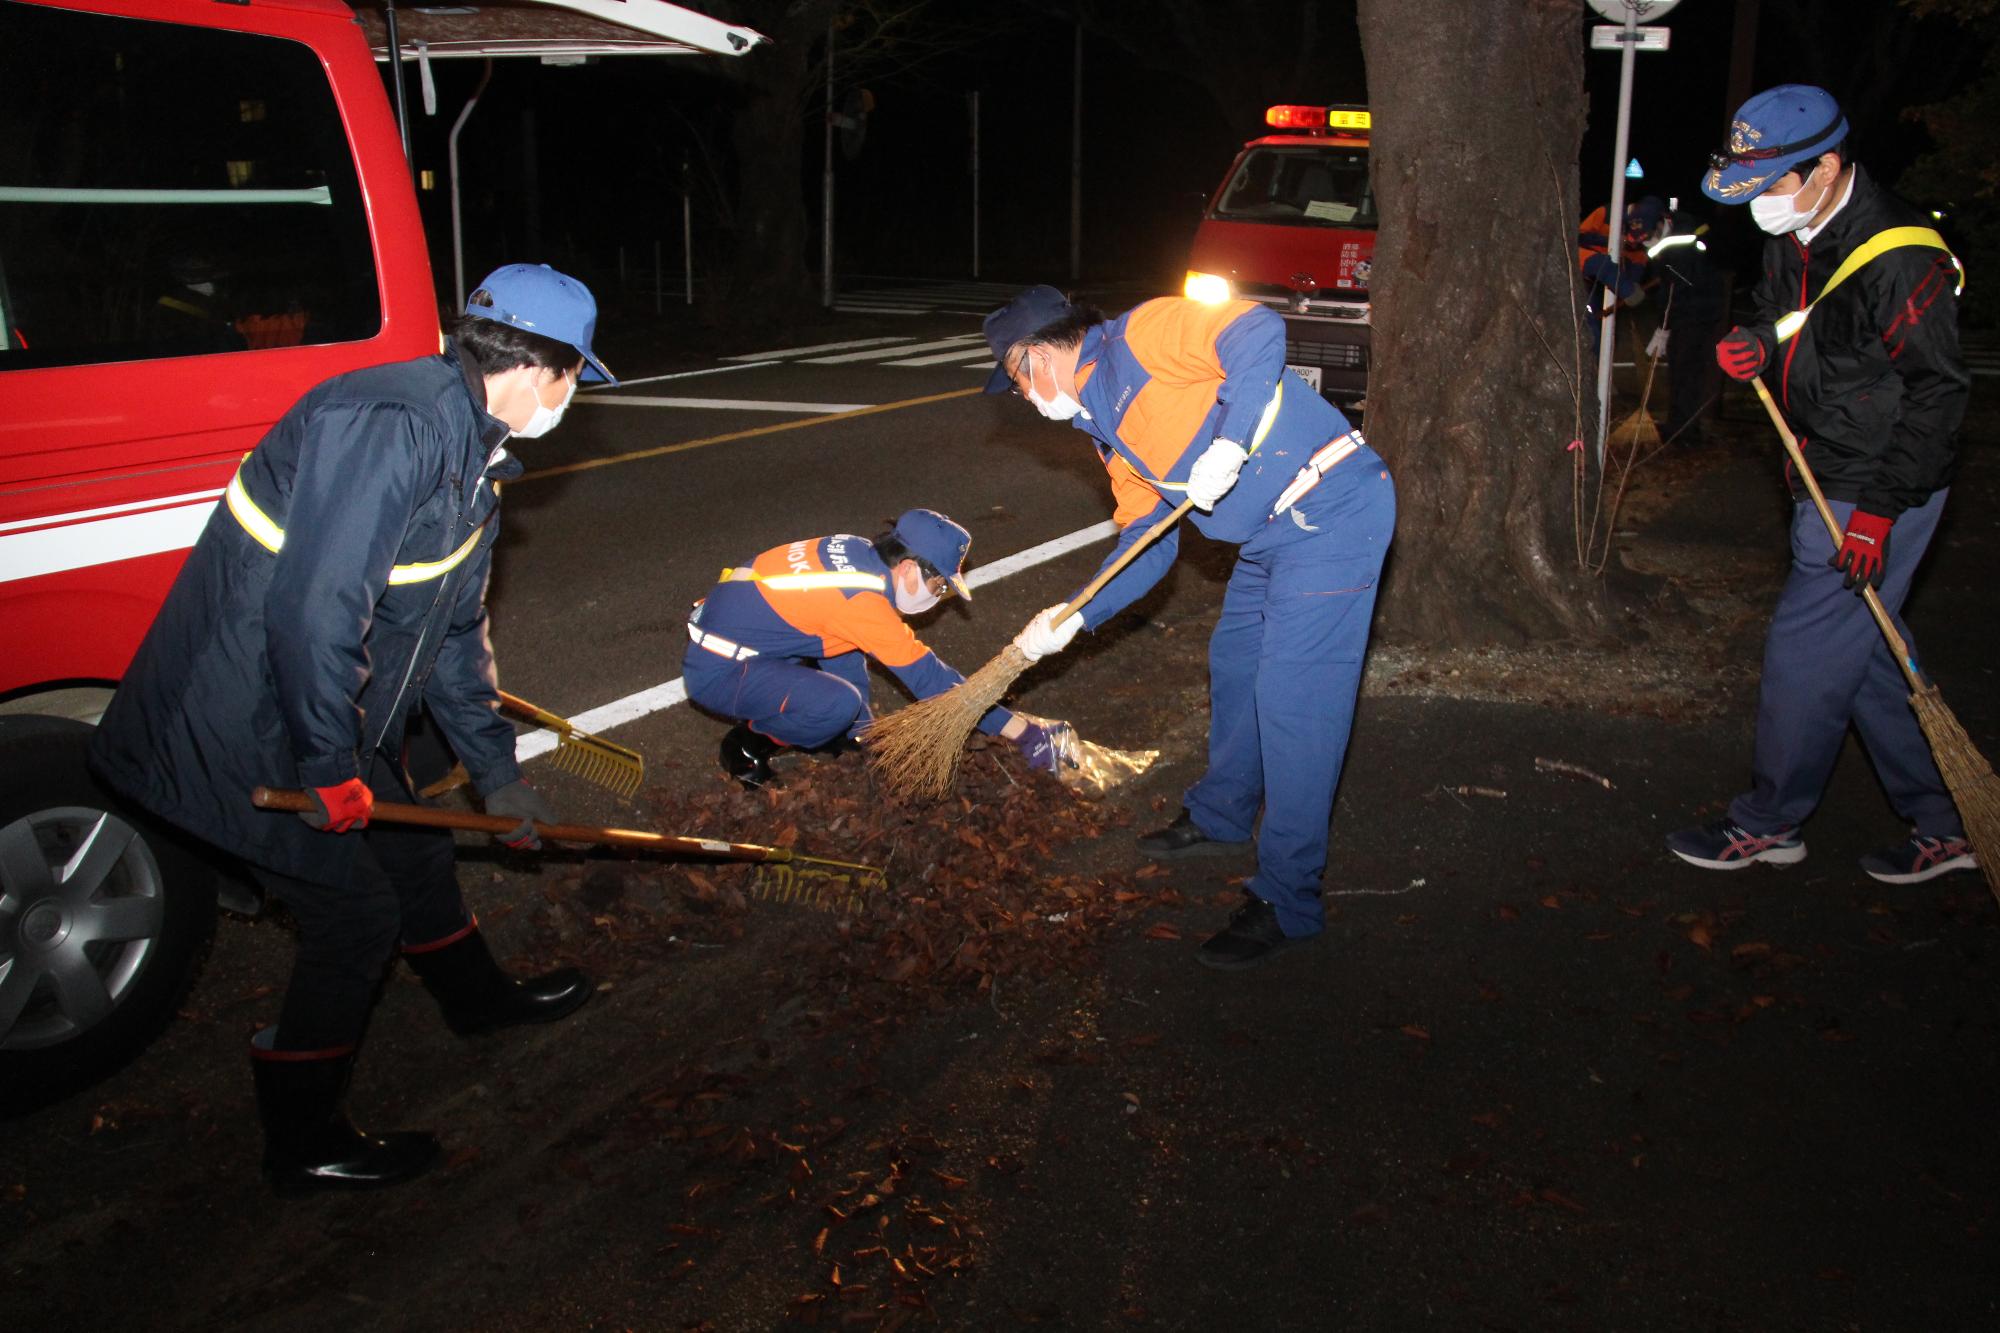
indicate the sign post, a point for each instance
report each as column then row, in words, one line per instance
column 1628, row 39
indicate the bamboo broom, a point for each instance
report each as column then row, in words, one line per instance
column 916, row 749
column 1967, row 775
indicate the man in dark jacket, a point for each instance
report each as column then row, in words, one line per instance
column 1858, row 335
column 339, row 586
column 1691, row 316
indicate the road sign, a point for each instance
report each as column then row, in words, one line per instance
column 1632, row 11
column 1604, row 37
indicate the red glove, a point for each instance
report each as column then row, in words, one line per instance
column 341, row 808
column 1865, row 551
column 1742, row 353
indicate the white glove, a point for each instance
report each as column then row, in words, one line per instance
column 1214, row 473
column 1656, row 346
column 1043, row 637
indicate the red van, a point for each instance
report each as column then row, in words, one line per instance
column 1293, row 226
column 204, row 211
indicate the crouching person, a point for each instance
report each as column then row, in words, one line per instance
column 781, row 644
column 342, row 583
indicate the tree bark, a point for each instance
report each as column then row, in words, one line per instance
column 1480, row 377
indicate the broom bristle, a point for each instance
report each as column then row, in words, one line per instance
column 1638, row 428
column 915, row 750
column 1967, row 776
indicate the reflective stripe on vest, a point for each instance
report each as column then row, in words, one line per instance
column 827, row 578
column 1895, row 238
column 272, row 537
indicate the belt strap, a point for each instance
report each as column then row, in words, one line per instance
column 718, row 645
column 1321, row 463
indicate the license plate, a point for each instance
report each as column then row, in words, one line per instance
column 1310, row 374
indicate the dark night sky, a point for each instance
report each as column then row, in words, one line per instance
column 611, row 136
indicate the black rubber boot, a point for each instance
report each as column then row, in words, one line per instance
column 310, row 1146
column 477, row 996
column 746, row 755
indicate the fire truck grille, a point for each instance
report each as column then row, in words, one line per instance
column 1334, row 356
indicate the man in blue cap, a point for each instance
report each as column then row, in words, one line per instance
column 1189, row 400
column 782, row 644
column 1857, row 330
column 340, row 586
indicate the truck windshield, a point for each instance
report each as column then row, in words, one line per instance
column 1315, row 185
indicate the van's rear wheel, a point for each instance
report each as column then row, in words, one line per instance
column 104, row 919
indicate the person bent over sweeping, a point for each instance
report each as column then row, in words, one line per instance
column 780, row 643
column 1191, row 401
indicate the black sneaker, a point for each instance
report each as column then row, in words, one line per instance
column 1251, row 936
column 1182, row 838
column 746, row 756
column 1920, row 859
column 1723, row 845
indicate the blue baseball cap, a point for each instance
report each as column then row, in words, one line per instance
column 1030, row 312
column 938, row 542
column 537, row 298
column 1768, row 136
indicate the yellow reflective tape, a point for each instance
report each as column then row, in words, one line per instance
column 827, row 579
column 1894, row 238
column 1270, row 415
column 271, row 537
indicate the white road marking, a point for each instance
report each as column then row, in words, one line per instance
column 943, row 357
column 958, row 341
column 677, row 375
column 726, row 404
column 665, row 695
column 808, row 351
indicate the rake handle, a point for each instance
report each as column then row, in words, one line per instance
column 1833, row 530
column 393, row 812
column 541, row 717
column 1116, row 567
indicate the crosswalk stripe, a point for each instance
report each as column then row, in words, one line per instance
column 722, row 404
column 958, row 341
column 943, row 357
column 807, row 351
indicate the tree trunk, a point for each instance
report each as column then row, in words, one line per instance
column 1481, row 377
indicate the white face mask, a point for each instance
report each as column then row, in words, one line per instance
column 1060, row 408
column 1780, row 215
column 545, row 419
column 914, row 603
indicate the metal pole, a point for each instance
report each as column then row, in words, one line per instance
column 826, row 185
column 451, row 168
column 975, row 183
column 1615, row 227
column 396, row 77
column 656, row 275
column 687, row 232
column 1076, row 161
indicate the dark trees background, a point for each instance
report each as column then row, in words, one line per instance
column 1479, row 379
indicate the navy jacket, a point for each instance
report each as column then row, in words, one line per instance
column 294, row 667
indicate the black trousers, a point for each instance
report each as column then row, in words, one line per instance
column 1694, row 380
column 403, row 890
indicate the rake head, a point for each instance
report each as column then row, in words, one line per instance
column 599, row 762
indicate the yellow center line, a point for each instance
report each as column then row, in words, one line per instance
column 655, row 452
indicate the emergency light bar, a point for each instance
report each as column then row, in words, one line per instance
column 1316, row 118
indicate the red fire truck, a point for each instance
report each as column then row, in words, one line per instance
column 1293, row 226
column 205, row 209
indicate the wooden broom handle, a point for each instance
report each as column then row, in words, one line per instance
column 1112, row 570
column 393, row 812
column 1881, row 614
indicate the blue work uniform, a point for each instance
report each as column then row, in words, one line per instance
column 782, row 643
column 1312, row 513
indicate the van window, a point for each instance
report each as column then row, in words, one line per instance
column 1310, row 185
column 169, row 190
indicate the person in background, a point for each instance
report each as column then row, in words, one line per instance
column 1691, row 314
column 1857, row 335
column 1615, row 283
column 782, row 644
column 341, row 584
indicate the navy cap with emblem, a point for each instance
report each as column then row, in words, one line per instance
column 1030, row 312
column 1769, row 135
column 938, row 542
